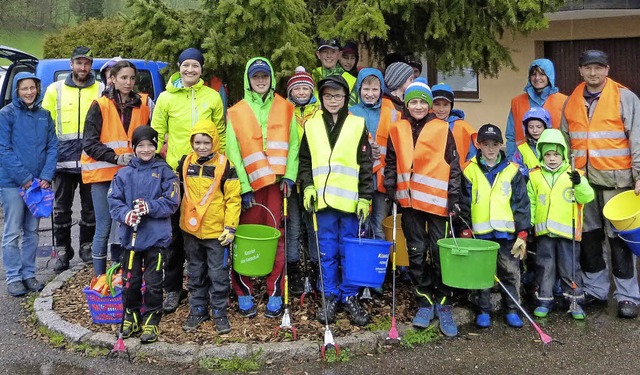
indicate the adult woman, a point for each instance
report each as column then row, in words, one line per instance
column 28, row 151
column 108, row 128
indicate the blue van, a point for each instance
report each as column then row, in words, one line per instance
column 149, row 79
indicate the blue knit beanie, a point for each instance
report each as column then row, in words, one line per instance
column 191, row 54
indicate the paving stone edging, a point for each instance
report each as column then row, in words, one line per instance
column 357, row 343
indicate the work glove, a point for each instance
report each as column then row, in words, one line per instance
column 123, row 159
column 575, row 177
column 362, row 209
column 375, row 151
column 519, row 249
column 391, row 196
column 285, row 187
column 141, row 207
column 227, row 236
column 466, row 233
column 132, row 218
column 309, row 199
column 455, row 210
column 247, row 200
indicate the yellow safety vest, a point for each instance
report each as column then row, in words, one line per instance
column 529, row 158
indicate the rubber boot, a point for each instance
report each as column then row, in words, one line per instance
column 296, row 282
column 85, row 253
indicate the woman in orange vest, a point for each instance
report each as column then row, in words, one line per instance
column 423, row 176
column 108, row 129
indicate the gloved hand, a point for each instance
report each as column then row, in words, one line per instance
column 285, row 187
column 575, row 177
column 123, row 159
column 466, row 233
column 227, row 236
column 519, row 249
column 375, row 151
column 362, row 209
column 247, row 200
column 391, row 196
column 309, row 199
column 455, row 210
column 132, row 218
column 141, row 207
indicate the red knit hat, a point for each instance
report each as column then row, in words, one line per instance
column 300, row 78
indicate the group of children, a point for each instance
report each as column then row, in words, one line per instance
column 400, row 143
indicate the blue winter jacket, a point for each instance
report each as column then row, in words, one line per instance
column 156, row 183
column 535, row 100
column 370, row 113
column 28, row 142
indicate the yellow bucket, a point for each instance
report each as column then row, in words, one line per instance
column 623, row 211
column 402, row 257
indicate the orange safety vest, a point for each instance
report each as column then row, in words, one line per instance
column 261, row 163
column 520, row 105
column 462, row 133
column 423, row 173
column 388, row 115
column 113, row 136
column 603, row 139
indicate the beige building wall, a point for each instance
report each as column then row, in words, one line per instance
column 495, row 93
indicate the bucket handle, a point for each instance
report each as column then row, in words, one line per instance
column 457, row 250
column 626, row 240
column 275, row 223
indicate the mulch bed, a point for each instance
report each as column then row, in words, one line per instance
column 70, row 303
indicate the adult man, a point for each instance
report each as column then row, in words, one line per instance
column 601, row 119
column 185, row 101
column 68, row 102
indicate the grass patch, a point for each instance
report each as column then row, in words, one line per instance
column 234, row 365
column 331, row 357
column 380, row 323
column 414, row 337
column 28, row 41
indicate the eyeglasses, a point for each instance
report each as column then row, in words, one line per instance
column 333, row 97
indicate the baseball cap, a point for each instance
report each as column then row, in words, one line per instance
column 350, row 47
column 593, row 56
column 257, row 67
column 489, row 132
column 81, row 51
column 328, row 43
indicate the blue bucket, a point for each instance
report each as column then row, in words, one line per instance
column 365, row 261
column 632, row 238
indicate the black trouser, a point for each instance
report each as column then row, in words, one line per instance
column 209, row 282
column 65, row 185
column 174, row 262
column 151, row 260
column 425, row 276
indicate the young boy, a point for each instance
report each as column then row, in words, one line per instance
column 143, row 196
column 209, row 216
column 422, row 174
column 462, row 131
column 535, row 121
column 329, row 53
column 397, row 77
column 349, row 58
column 554, row 212
column 336, row 177
column 496, row 193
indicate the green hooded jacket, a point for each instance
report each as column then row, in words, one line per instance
column 178, row 109
column 261, row 105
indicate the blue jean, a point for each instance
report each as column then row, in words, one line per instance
column 99, row 192
column 19, row 259
column 554, row 259
column 379, row 211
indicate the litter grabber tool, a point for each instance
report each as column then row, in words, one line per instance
column 366, row 292
column 54, row 252
column 329, row 342
column 286, row 318
column 573, row 307
column 393, row 332
column 308, row 288
column 119, row 348
column 546, row 339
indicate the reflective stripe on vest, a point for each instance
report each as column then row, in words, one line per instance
column 520, row 105
column 528, row 156
column 79, row 105
column 423, row 173
column 263, row 159
column 335, row 171
column 491, row 204
column 387, row 117
column 554, row 205
column 601, row 141
column 114, row 137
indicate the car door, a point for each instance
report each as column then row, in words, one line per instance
column 19, row 61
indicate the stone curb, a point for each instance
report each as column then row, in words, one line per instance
column 358, row 343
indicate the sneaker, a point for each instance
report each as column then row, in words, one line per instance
column 274, row 307
column 33, row 285
column 85, row 253
column 541, row 311
column 423, row 317
column 171, row 302
column 296, row 283
column 193, row 322
column 131, row 324
column 627, row 309
column 358, row 316
column 578, row 313
column 150, row 331
column 513, row 320
column 246, row 307
column 448, row 327
column 483, row 320
column 65, row 254
column 16, row 289
column 222, row 324
column 332, row 308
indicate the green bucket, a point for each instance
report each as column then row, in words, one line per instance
column 254, row 249
column 468, row 263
